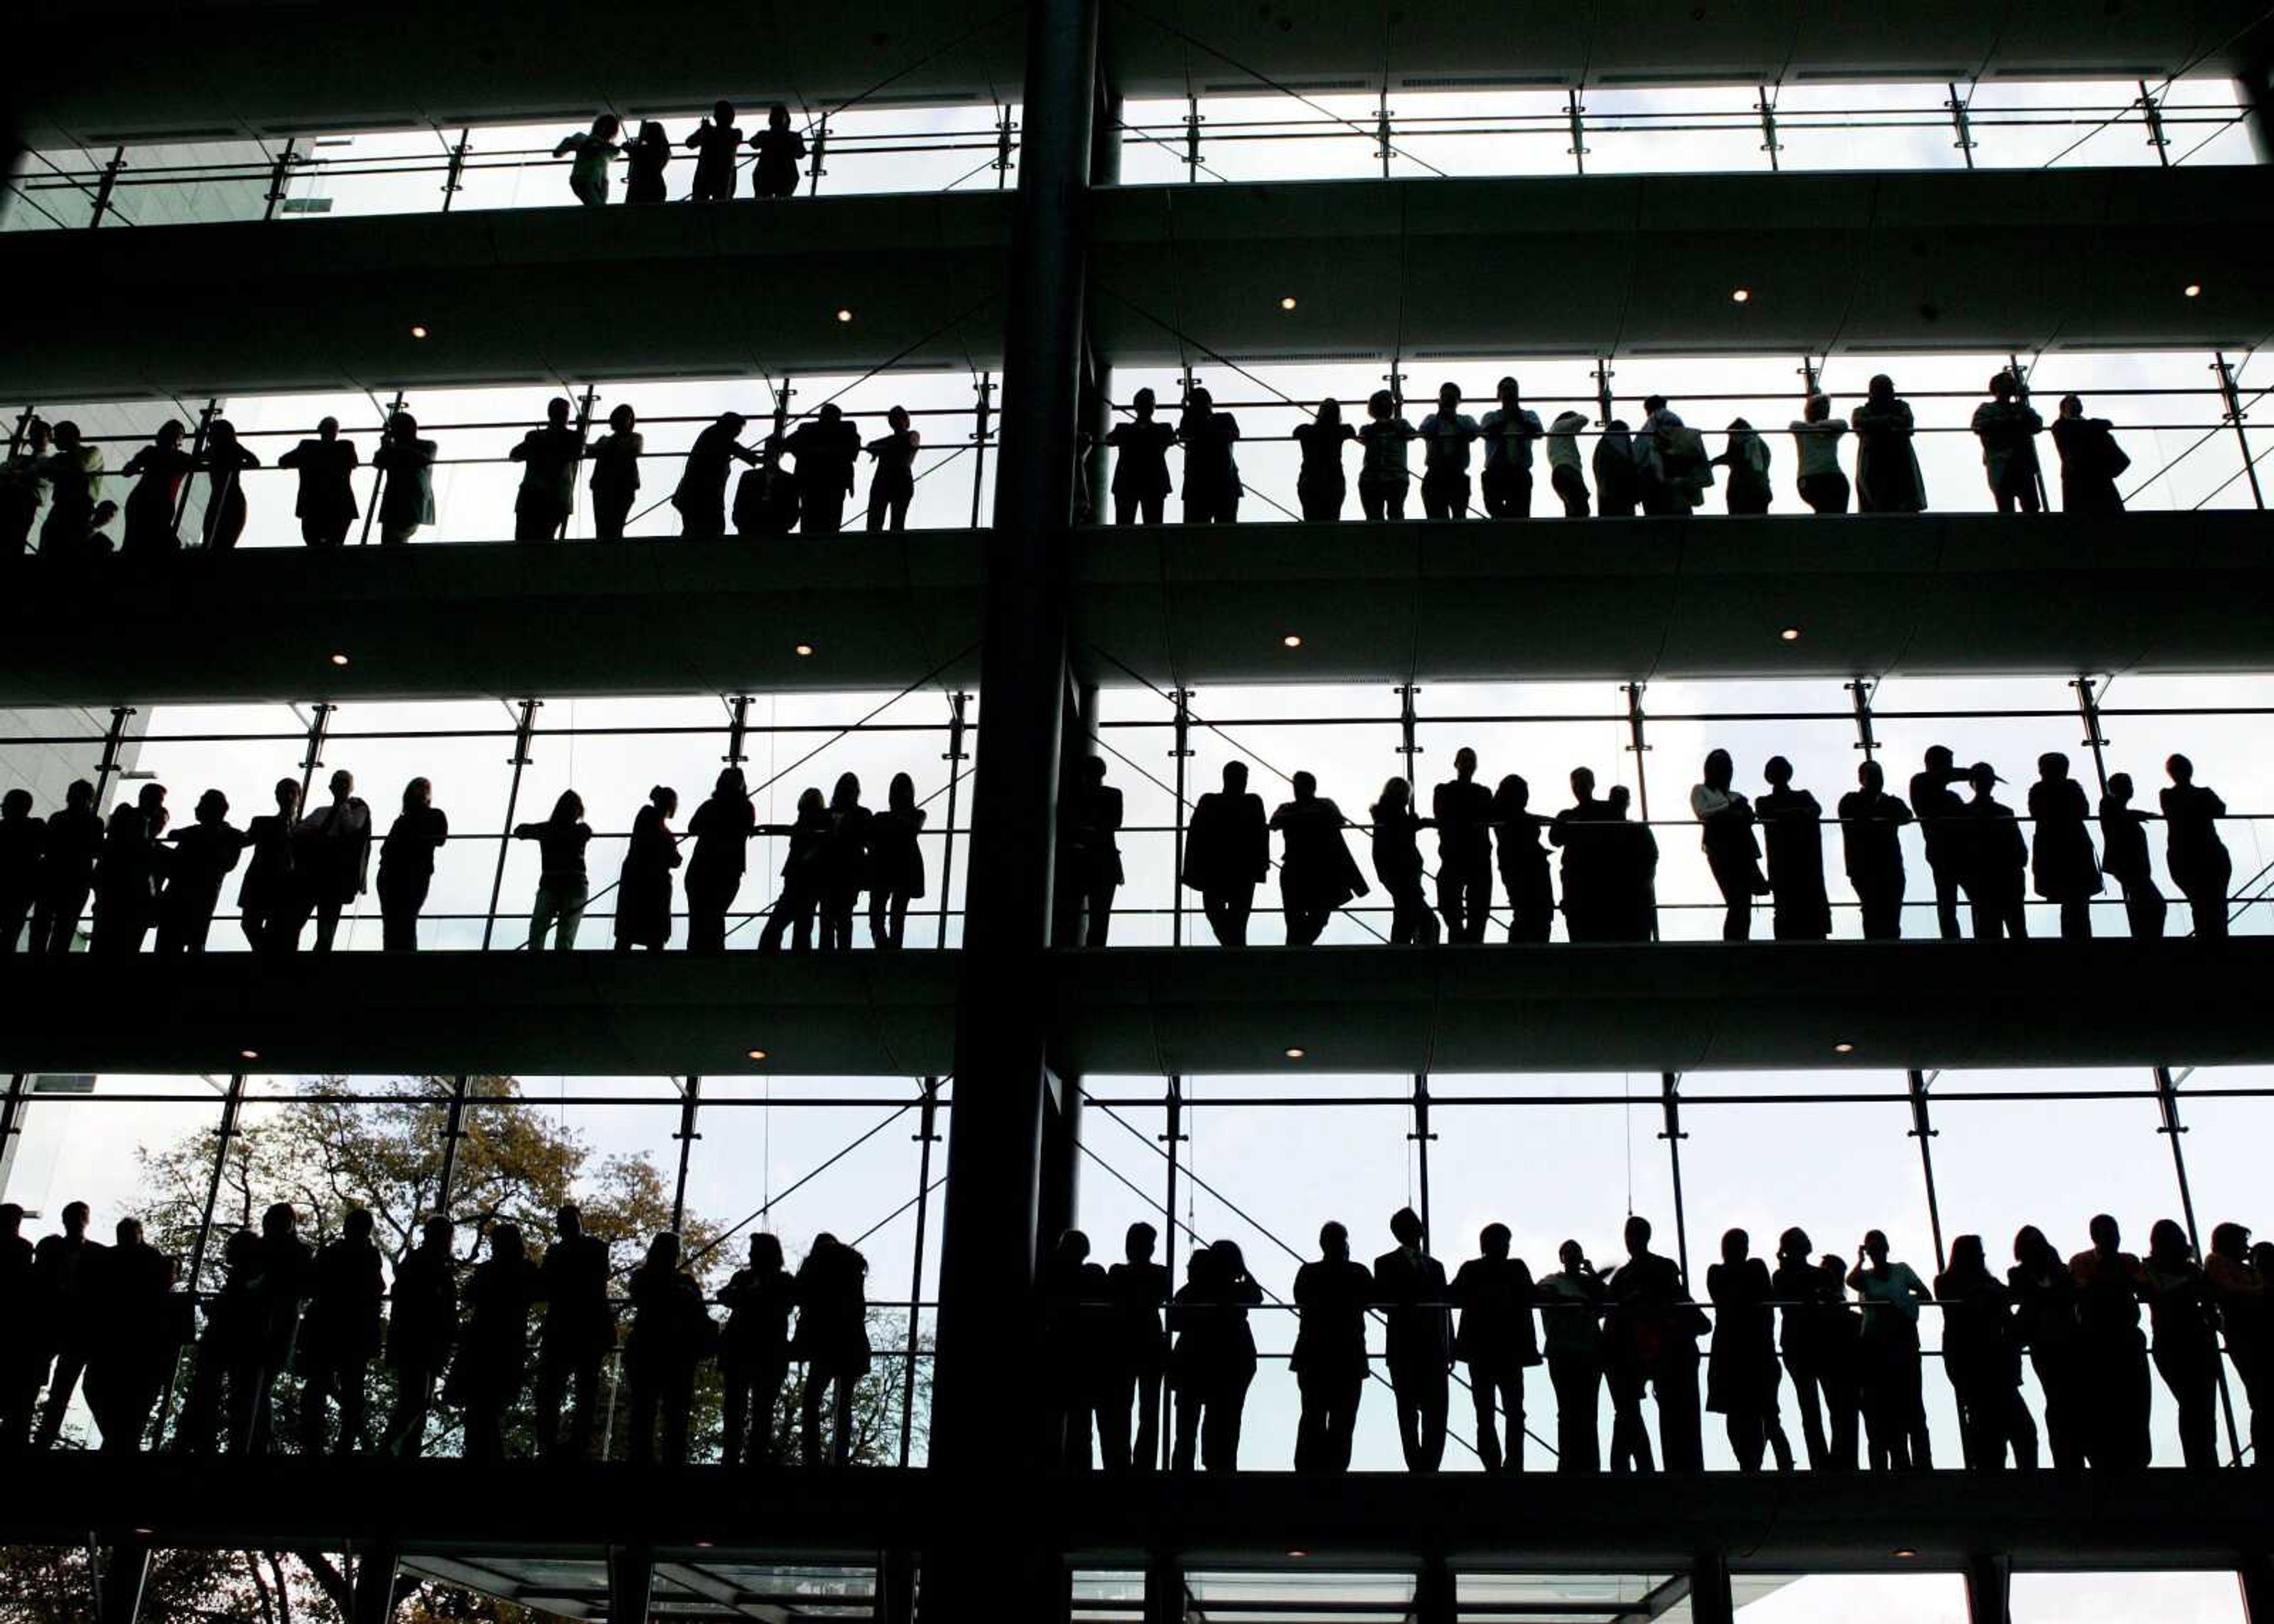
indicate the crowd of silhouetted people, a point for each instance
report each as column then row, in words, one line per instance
column 443, row 1328
column 716, row 142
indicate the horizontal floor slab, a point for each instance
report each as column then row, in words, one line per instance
column 1848, row 264
column 1195, row 1012
column 205, row 69
column 1622, row 599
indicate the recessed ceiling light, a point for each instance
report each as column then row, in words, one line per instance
column 1295, row 1054
column 1843, row 1049
column 248, row 1054
column 757, row 1054
column 804, row 651
column 1293, row 641
column 1298, row 1555
column 418, row 329
column 339, row 659
column 1288, row 303
column 1905, row 1552
column 844, row 315
column 1790, row 634
column 1740, row 295
column 2194, row 289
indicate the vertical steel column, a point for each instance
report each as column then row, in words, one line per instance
column 108, row 184
column 1923, row 1130
column 1381, row 130
column 2088, row 711
column 525, row 729
column 320, row 728
column 2233, row 396
column 2151, row 114
column 21, row 431
column 985, row 389
column 232, row 1105
column 956, row 701
column 372, row 1599
column 454, row 1129
column 205, row 415
column 1989, row 1590
column 927, row 1135
column 1192, row 139
column 820, row 152
column 1637, row 745
column 378, row 481
column 783, row 394
column 1165, row 1590
column 1860, row 692
column 114, row 742
column 2020, row 376
column 585, row 404
column 1434, row 1596
column 454, row 175
column 632, row 1583
column 12, row 1123
column 738, row 730
column 1181, row 752
column 1961, row 123
column 691, row 1107
column 280, row 177
column 1579, row 147
column 1409, row 744
column 121, row 1569
column 2257, row 85
column 1003, row 127
column 1669, row 1099
column 1606, row 403
column 1766, row 108
column 2256, row 1578
column 1709, row 1602
column 1420, row 1137
column 2167, row 1109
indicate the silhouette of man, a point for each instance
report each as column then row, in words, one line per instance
column 331, row 865
column 140, row 1329
column 1565, row 475
column 22, row 837
column 1571, row 1321
column 2123, row 856
column 671, row 1333
column 780, row 150
column 548, row 458
column 1585, row 873
column 1495, row 1294
column 220, row 1349
column 326, row 505
column 1462, row 809
column 1227, row 854
column 73, row 475
column 23, row 1353
column 1141, row 469
column 422, row 1324
column 701, row 495
column 406, row 491
column 1446, row 434
column 1994, row 857
column 264, row 896
column 204, row 853
column 1317, row 874
column 826, row 450
column 1212, row 486
column 2193, row 851
column 23, row 487
column 1332, row 1296
column 578, row 1333
column 2090, row 461
column 1816, row 437
column 1410, row 1286
column 492, row 1362
column 754, row 1359
column 1742, row 1374
column 1138, row 1356
column 1656, row 1331
column 2111, row 1355
column 2061, row 854
column 1629, row 873
column 1869, row 822
column 1794, row 824
column 128, row 873
column 715, row 142
column 282, row 1267
column 1941, row 820
column 66, row 878
column 1076, row 1326
column 1509, row 431
column 66, row 1269
column 765, row 496
column 2007, row 426
column 340, row 1334
column 1089, row 858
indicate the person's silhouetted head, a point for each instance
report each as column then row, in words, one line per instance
column 664, row 800
column 417, row 795
column 1093, row 768
column 1619, row 799
column 1074, row 1247
column 327, row 429
column 1143, row 404
column 2072, row 406
column 2052, row 766
column 80, row 796
column 1875, row 1247
column 569, row 808
column 1394, row 796
column 505, row 1243
column 358, row 1224
column 1405, row 1227
column 722, row 113
column 1493, row 1240
column 810, row 803
column 1235, row 778
column 730, row 785
column 1636, row 1235
column 280, row 1222
column 287, row 795
column 1572, row 1256
column 1778, row 772
column 778, row 116
column 11, row 1219
column 1795, row 1244
column 1583, row 784
column 901, row 793
column 2167, row 1242
column 569, row 1223
column 2182, row 769
column 1882, row 389
column 653, row 134
column 1305, row 785
column 169, row 435
column 2120, row 788
column 766, row 1253
column 1334, row 1241
column 734, row 422
column 1871, row 777
column 1512, row 792
column 342, row 785
column 1448, row 397
column 1967, row 1255
column 1984, row 778
column 1465, row 763
column 2030, row 1246
column 897, row 419
column 663, row 1251
column 1655, row 404
column 2228, row 1240
column 151, row 799
column 1197, row 399
column 1229, row 1260
column 76, row 1217
column 2106, row 1237
column 67, row 435
column 605, row 127
column 1511, row 395
column 1138, row 1241
column 1737, row 1245
column 16, row 805
column 1381, row 405
column 830, row 412
column 37, row 434
column 1720, row 771
column 1818, row 407
column 1330, row 411
column 845, row 794
column 436, row 1234
column 556, row 413
column 1938, row 758
column 622, row 419
column 403, row 426
column 127, row 1232
column 213, row 805
column 2004, row 384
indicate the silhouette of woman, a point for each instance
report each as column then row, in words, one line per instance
column 1747, row 459
column 2060, row 856
column 264, row 896
column 2124, row 857
column 780, row 149
column 1320, row 488
column 406, row 865
column 715, row 141
column 643, row 887
column 2239, row 1289
column 2184, row 1321
column 1894, row 1414
column 2196, row 855
column 1618, row 476
column 225, row 461
column 1523, row 863
column 594, row 150
column 1887, row 477
column 1214, row 1361
column 1820, row 1349
column 1982, row 1356
column 896, row 864
column 844, row 863
column 893, row 484
column 646, row 159
column 1316, row 873
column 1794, row 823
column 832, row 1339
column 804, row 879
column 1385, row 471
column 671, row 1334
column 1397, row 864
column 158, row 469
column 493, row 1363
column 1212, row 486
column 128, row 873
column 1731, row 850
column 721, row 829
column 754, row 1358
column 562, row 886
column 615, row 479
column 1741, row 1372
column 2045, row 1323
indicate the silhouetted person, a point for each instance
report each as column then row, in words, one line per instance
column 1794, row 824
column 1871, row 821
column 563, row 884
column 1671, row 456
column 202, row 857
column 1895, row 1412
column 765, row 495
column 1410, row 1287
column 576, row 1336
column 1332, row 1296
column 326, row 505
column 421, row 1325
column 826, row 447
column 1982, row 1356
column 1385, row 472
column 406, row 865
column 157, row 469
column 646, row 161
column 780, row 150
column 264, row 896
column 2196, row 857
column 224, row 460
column 23, row 1333
column 2091, row 462
column 1564, row 475
column 893, row 485
column 721, row 830
column 1819, row 1340
column 1732, row 851
column 844, row 863
column 331, row 865
column 1141, row 468
column 1522, row 862
column 2185, row 1321
column 1508, row 431
column 1816, row 443
column 1317, row 874
column 1075, row 1319
column 406, row 487
column 1571, row 1303
column 72, row 844
column 1213, row 1362
column 804, row 876
column 1461, row 808
column 221, row 1349
column 1397, row 864
column 701, row 494
column 615, row 481
column 754, row 1354
column 1089, row 857
column 2007, row 426
column 832, row 1339
column 1995, row 857
column 141, row 1324
column 2238, row 1288
column 492, row 1363
column 1629, row 873
column 1742, row 1374
column 1888, row 478
column 896, row 863
column 1942, row 825
column 1495, row 1294
column 1320, row 487
column 340, row 1334
column 22, row 840
column 2060, row 855
column 1618, row 476
column 548, row 458
column 73, row 473
column 714, row 142
column 2111, row 1355
column 1585, row 874
column 671, row 1334
column 1136, row 1357
column 1747, row 458
column 1446, row 435
column 2045, row 1323
column 284, row 1267
column 1228, row 853
column 590, row 152
column 2124, row 857
column 128, row 873
column 1653, row 1331
column 23, row 487
column 1212, row 486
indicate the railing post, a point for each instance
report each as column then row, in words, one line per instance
column 1173, row 1110
column 738, row 730
column 2088, row 711
column 690, row 1107
column 107, row 185
column 1578, row 113
column 585, row 402
column 1636, row 746
column 1766, row 108
column 927, row 1135
column 11, row 1122
column 1421, row 1136
column 2151, row 114
column 2167, row 1109
column 319, row 729
column 1181, row 752
column 1381, row 130
column 1192, row 139
column 1962, row 122
column 114, row 742
column 985, row 389
column 820, row 155
column 22, row 430
column 379, row 478
column 280, row 177
column 2233, row 396
column 1606, row 403
column 956, row 703
column 197, row 438
column 1859, row 694
column 525, row 731
column 1923, row 1130
column 454, row 1130
column 232, row 1104
column 454, row 175
column 1669, row 1099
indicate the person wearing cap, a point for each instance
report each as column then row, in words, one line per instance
column 1993, row 860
